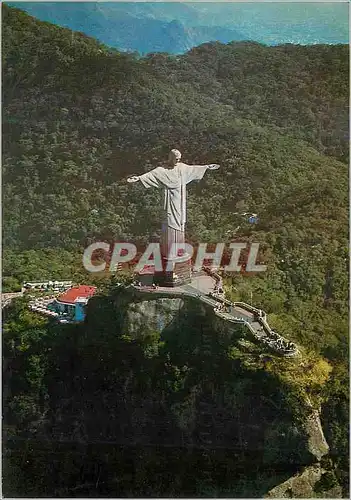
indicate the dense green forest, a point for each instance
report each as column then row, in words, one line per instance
column 78, row 117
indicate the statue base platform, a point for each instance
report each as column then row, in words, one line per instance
column 176, row 272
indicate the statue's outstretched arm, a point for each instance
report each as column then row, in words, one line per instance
column 211, row 166
column 149, row 179
column 196, row 172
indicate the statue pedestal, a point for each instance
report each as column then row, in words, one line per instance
column 176, row 272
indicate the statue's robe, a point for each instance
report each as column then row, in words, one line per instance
column 174, row 182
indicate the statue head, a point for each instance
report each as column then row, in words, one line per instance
column 174, row 156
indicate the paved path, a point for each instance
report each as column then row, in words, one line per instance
column 201, row 286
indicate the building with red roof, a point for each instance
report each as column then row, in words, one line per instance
column 73, row 302
column 72, row 294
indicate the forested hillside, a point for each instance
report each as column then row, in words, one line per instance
column 78, row 117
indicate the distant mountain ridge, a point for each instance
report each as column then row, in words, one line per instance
column 177, row 27
column 128, row 29
column 150, row 35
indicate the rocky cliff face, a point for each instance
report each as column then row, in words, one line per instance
column 306, row 484
column 227, row 401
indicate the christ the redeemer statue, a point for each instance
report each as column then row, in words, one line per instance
column 173, row 180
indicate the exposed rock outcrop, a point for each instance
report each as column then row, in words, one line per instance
column 254, row 417
column 306, row 484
